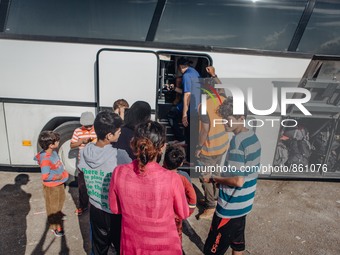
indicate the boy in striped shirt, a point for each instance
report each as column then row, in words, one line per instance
column 237, row 185
column 53, row 176
column 82, row 136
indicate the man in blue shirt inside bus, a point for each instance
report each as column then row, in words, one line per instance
column 191, row 97
column 191, row 91
column 237, row 185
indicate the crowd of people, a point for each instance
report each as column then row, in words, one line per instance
column 137, row 201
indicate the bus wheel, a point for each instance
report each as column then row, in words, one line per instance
column 68, row 156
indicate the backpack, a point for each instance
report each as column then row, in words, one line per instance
column 299, row 152
column 320, row 143
column 281, row 154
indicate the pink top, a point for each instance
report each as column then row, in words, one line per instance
column 148, row 202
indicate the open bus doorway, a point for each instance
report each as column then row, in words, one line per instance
column 133, row 75
column 169, row 74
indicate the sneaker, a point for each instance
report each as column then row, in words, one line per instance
column 58, row 233
column 80, row 211
column 207, row 214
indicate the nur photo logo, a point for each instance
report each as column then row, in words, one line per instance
column 239, row 98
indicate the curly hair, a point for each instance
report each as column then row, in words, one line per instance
column 226, row 109
column 46, row 138
column 149, row 138
column 174, row 157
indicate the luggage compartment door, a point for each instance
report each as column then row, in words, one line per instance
column 127, row 74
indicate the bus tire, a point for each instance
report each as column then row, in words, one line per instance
column 67, row 155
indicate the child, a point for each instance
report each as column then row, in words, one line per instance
column 173, row 159
column 53, row 176
column 237, row 188
column 82, row 136
column 140, row 111
column 119, row 107
column 97, row 162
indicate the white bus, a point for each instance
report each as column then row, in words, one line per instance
column 59, row 59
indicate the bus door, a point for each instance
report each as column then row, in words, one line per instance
column 312, row 148
column 126, row 74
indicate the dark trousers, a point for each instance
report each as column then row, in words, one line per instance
column 54, row 201
column 224, row 233
column 191, row 133
column 174, row 117
column 83, row 196
column 106, row 228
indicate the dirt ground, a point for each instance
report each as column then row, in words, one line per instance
column 288, row 217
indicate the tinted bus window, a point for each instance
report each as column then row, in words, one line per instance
column 254, row 24
column 107, row 19
column 322, row 34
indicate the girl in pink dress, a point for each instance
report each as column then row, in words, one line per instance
column 148, row 196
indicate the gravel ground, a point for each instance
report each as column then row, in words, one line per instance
column 288, row 217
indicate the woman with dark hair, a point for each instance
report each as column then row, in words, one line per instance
column 148, row 196
column 138, row 113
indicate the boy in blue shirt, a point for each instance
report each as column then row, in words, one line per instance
column 237, row 185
